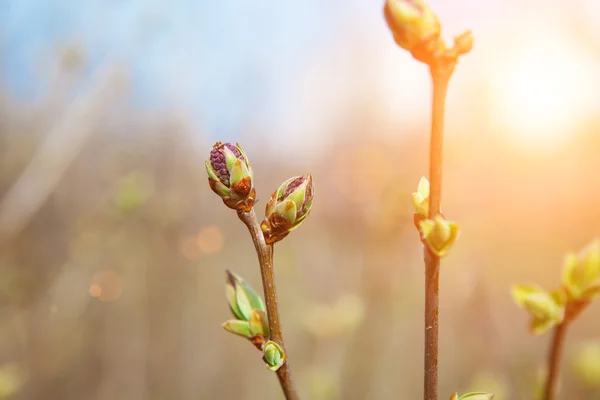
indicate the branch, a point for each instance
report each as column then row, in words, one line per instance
column 265, row 259
column 440, row 75
column 557, row 344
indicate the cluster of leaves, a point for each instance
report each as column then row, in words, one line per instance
column 580, row 284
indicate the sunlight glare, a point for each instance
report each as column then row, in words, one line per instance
column 543, row 91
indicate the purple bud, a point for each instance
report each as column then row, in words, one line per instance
column 217, row 160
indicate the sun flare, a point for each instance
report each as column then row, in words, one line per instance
column 543, row 92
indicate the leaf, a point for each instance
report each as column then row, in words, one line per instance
column 259, row 323
column 237, row 327
column 477, row 396
column 230, row 292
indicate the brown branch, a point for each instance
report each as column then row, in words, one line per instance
column 265, row 259
column 440, row 74
column 554, row 357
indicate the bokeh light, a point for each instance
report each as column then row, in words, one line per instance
column 210, row 240
column 107, row 285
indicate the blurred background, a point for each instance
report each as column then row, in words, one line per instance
column 113, row 248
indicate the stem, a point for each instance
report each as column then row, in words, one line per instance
column 440, row 75
column 265, row 259
column 558, row 340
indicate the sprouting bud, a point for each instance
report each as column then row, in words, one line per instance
column 414, row 25
column 230, row 176
column 273, row 355
column 421, row 198
column 242, row 297
column 581, row 274
column 463, row 43
column 288, row 207
column 439, row 235
column 454, row 396
column 249, row 310
column 547, row 309
column 475, row 396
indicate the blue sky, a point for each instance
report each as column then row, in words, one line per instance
column 291, row 70
column 218, row 59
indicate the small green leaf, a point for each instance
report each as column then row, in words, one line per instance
column 298, row 195
column 230, row 158
column 210, row 171
column 237, row 327
column 537, row 326
column 545, row 308
column 242, row 297
column 287, row 209
column 421, row 198
column 477, row 396
column 423, row 187
column 259, row 323
column 256, row 302
column 592, row 291
column 238, row 172
column 230, row 292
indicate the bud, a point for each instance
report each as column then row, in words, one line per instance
column 249, row 310
column 439, row 235
column 242, row 297
column 454, row 396
column 545, row 308
column 230, row 176
column 463, row 43
column 287, row 208
column 421, row 198
column 273, row 355
column 414, row 25
column 581, row 274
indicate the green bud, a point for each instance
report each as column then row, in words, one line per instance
column 237, row 327
column 581, row 273
column 242, row 298
column 414, row 26
column 273, row 355
column 230, row 176
column 259, row 323
column 439, row 235
column 476, row 396
column 545, row 308
column 454, row 396
column 421, row 198
column 288, row 207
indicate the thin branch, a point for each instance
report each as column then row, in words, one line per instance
column 265, row 259
column 440, row 74
column 554, row 357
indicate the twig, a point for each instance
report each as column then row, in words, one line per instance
column 265, row 259
column 440, row 75
column 558, row 339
